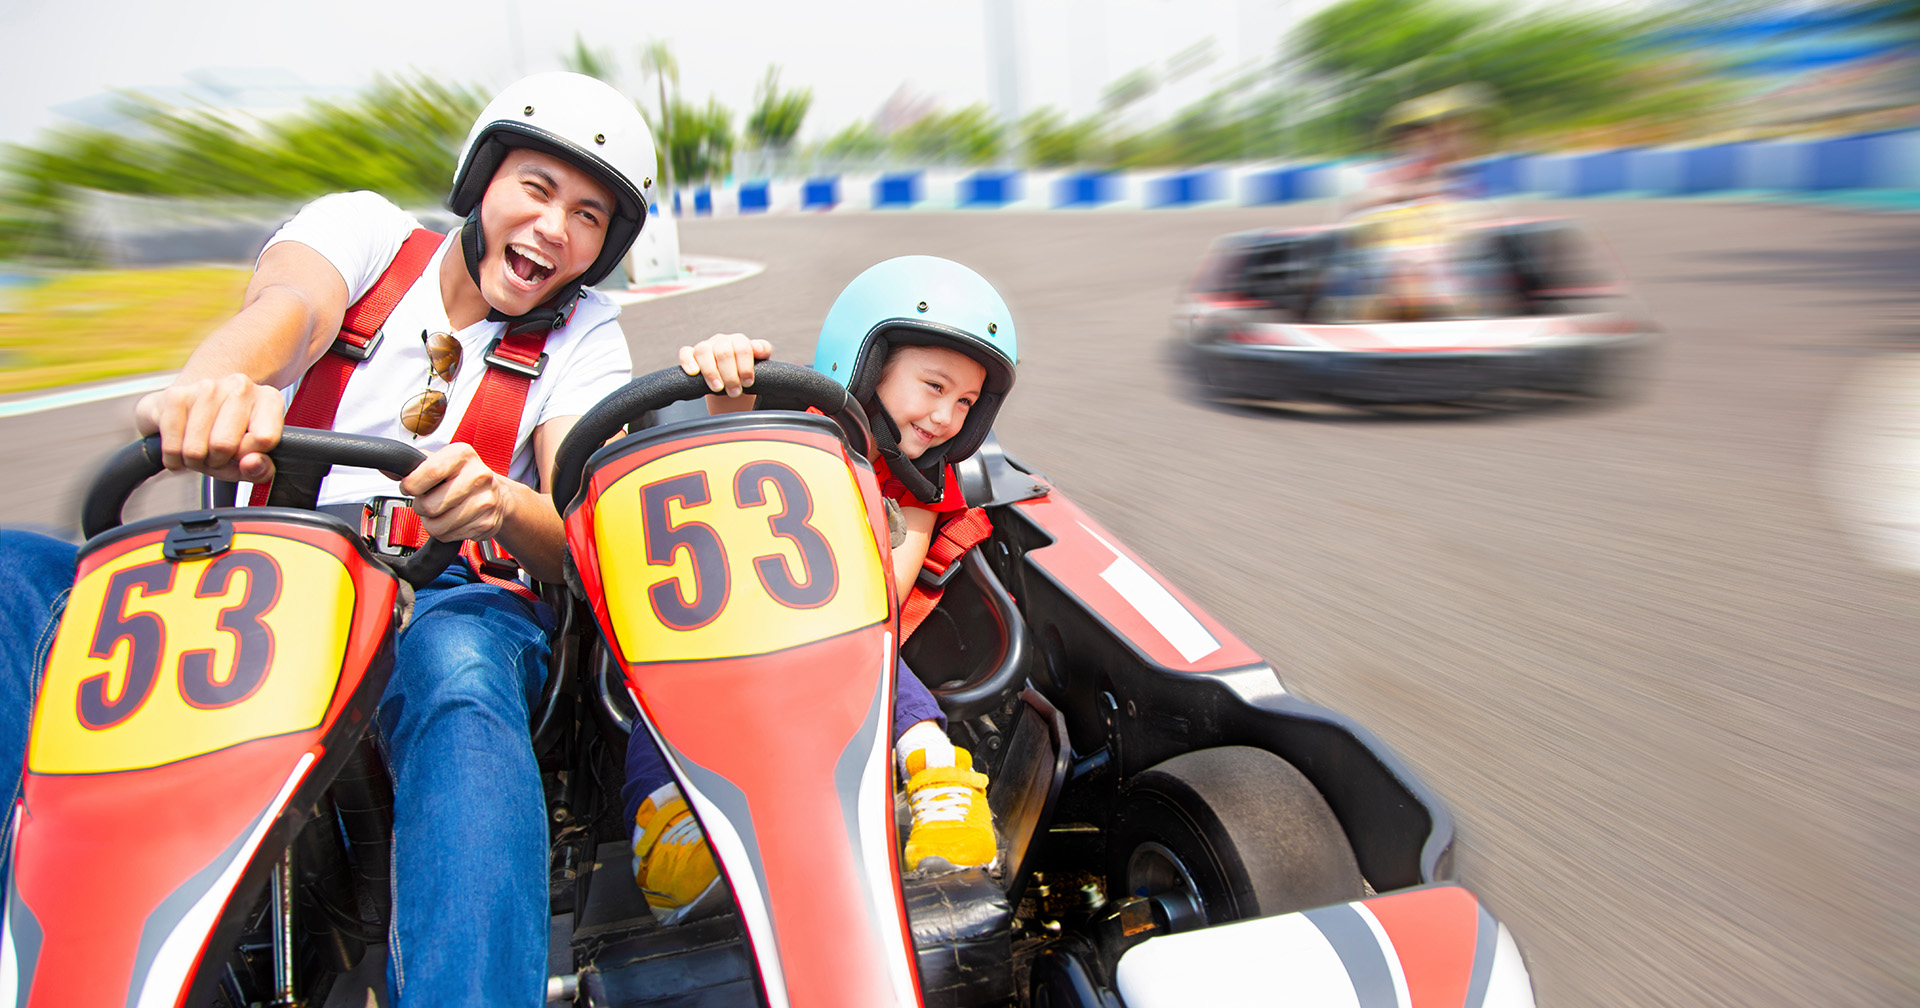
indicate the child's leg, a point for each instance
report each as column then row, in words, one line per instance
column 646, row 770
column 671, row 860
column 952, row 827
column 917, row 718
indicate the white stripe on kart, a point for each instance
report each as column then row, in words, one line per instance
column 1157, row 605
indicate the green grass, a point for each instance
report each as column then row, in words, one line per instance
column 87, row 326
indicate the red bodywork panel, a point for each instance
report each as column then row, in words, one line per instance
column 1147, row 612
column 778, row 725
column 106, row 865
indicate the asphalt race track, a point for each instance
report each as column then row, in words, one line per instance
column 1665, row 684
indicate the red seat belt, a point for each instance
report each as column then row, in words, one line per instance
column 961, row 533
column 317, row 400
column 491, row 423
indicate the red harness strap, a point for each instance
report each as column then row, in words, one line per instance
column 491, row 423
column 317, row 400
column 960, row 534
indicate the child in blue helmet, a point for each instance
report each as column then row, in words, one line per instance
column 927, row 347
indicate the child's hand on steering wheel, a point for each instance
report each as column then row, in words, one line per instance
column 725, row 360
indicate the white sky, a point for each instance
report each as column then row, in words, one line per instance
column 853, row 53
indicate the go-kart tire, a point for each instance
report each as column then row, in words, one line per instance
column 1236, row 829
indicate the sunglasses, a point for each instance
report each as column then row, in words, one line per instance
column 422, row 414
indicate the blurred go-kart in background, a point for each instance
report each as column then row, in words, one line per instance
column 1414, row 302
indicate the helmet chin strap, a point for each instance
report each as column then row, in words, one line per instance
column 922, row 477
column 551, row 315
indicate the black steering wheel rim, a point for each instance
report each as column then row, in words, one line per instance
column 779, row 385
column 140, row 461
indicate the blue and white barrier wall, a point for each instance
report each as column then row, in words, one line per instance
column 1874, row 161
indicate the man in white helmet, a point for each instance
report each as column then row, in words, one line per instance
column 485, row 347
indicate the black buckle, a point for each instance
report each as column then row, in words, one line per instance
column 928, row 579
column 197, row 538
column 495, row 562
column 380, row 510
column 494, row 359
column 354, row 351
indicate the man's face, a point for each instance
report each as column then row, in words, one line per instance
column 544, row 222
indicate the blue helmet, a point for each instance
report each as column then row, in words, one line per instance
column 919, row 301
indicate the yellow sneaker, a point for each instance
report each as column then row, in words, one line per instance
column 952, row 827
column 672, row 863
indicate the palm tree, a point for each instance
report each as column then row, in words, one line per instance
column 656, row 58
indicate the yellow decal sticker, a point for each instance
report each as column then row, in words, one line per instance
column 158, row 661
column 738, row 548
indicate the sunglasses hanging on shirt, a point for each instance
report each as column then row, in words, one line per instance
column 422, row 414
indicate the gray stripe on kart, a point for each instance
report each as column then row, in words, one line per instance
column 27, row 937
column 1360, row 953
column 847, row 776
column 166, row 917
column 1486, row 944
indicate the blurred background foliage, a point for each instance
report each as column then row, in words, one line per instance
column 1559, row 76
column 395, row 140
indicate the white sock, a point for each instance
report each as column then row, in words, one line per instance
column 928, row 736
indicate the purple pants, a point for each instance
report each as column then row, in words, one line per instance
column 647, row 769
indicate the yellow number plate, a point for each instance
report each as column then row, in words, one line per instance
column 737, row 548
column 156, row 662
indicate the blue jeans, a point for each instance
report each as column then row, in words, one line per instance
column 470, row 921
column 469, row 837
column 35, row 575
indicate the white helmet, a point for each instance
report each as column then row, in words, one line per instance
column 578, row 119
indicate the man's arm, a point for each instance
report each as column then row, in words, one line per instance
column 224, row 411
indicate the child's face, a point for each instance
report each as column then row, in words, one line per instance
column 928, row 391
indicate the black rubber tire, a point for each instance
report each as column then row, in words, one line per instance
column 1253, row 836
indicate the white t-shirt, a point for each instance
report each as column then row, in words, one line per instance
column 359, row 233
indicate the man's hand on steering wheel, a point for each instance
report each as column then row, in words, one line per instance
column 221, row 427
column 456, row 495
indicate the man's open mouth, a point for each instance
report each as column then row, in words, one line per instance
column 527, row 264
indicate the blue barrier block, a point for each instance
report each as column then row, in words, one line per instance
column 1185, row 188
column 1599, row 173
column 820, row 194
column 676, row 203
column 990, row 189
column 1497, row 176
column 1710, row 169
column 1846, row 163
column 1085, row 189
column 702, row 202
column 897, row 190
column 753, row 198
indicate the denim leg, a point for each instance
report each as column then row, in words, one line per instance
column 470, row 853
column 36, row 573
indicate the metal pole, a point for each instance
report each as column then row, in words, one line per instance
column 283, row 931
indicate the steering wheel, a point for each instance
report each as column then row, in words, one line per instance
column 140, row 461
column 778, row 386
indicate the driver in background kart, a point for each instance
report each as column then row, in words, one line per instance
column 1406, row 260
column 551, row 182
column 927, row 347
